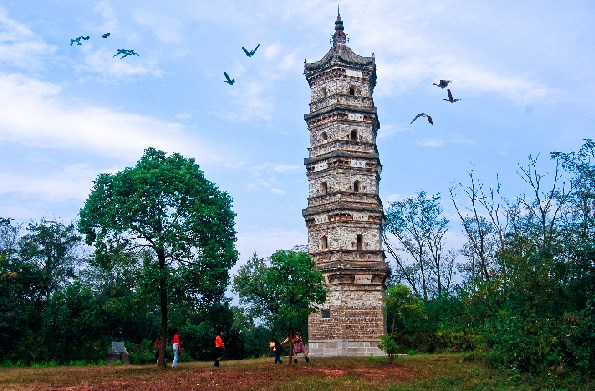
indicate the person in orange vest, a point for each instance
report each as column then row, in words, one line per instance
column 219, row 348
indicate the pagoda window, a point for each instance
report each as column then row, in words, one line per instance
column 323, row 92
column 359, row 242
column 323, row 187
column 356, row 186
column 352, row 91
column 354, row 134
column 323, row 242
column 324, row 136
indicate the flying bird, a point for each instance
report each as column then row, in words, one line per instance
column 105, row 35
column 78, row 40
column 251, row 52
column 450, row 98
column 228, row 81
column 443, row 83
column 125, row 52
column 424, row 115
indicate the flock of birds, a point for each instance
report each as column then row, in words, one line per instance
column 442, row 84
column 128, row 52
column 123, row 52
column 248, row 53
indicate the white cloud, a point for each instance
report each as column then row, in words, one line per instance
column 269, row 184
column 165, row 29
column 389, row 130
column 19, row 47
column 72, row 183
column 290, row 63
column 263, row 178
column 110, row 23
column 271, row 51
column 34, row 113
column 250, row 103
column 410, row 54
column 103, row 62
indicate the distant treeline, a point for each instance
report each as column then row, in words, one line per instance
column 59, row 304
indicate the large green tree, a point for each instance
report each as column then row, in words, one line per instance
column 282, row 291
column 166, row 206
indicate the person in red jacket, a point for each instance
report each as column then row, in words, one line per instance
column 177, row 347
column 219, row 348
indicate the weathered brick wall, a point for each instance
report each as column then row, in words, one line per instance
column 333, row 83
column 338, row 131
column 354, row 314
column 368, row 183
column 343, row 237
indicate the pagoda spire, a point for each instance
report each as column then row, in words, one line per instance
column 339, row 38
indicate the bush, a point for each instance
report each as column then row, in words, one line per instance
column 389, row 345
column 142, row 352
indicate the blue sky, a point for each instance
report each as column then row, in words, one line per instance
column 525, row 71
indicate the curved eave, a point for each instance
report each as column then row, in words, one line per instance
column 343, row 153
column 345, row 206
column 344, row 56
column 342, row 108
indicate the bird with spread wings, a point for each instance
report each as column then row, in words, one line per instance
column 78, row 40
column 251, row 52
column 443, row 83
column 450, row 98
column 228, row 80
column 424, row 115
column 125, row 52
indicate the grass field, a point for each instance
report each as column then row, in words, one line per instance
column 417, row 372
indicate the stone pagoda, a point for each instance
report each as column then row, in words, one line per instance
column 344, row 215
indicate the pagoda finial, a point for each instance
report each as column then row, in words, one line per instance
column 339, row 36
column 339, row 22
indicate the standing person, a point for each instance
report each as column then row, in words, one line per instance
column 298, row 346
column 157, row 345
column 277, row 349
column 219, row 348
column 177, row 347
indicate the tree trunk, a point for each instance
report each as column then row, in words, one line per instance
column 290, row 346
column 163, row 305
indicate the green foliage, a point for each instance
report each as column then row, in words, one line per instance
column 72, row 326
column 184, row 223
column 389, row 345
column 51, row 246
column 402, row 308
column 32, row 267
column 166, row 205
column 281, row 292
column 533, row 313
column 142, row 352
